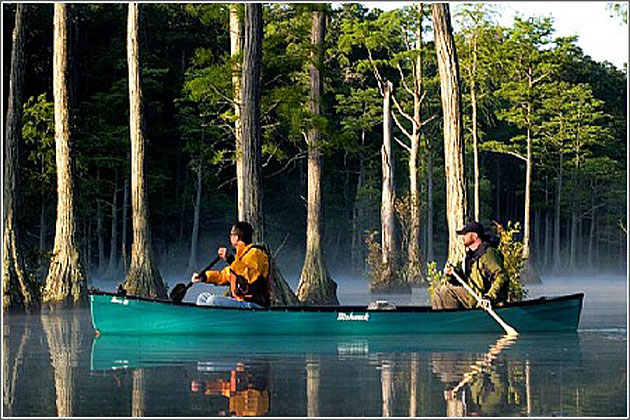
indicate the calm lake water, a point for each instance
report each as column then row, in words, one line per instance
column 53, row 365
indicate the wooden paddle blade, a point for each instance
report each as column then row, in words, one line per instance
column 178, row 292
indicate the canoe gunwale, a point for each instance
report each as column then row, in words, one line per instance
column 344, row 308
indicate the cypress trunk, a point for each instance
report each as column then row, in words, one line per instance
column 18, row 290
column 66, row 281
column 453, row 145
column 123, row 239
column 250, row 204
column 547, row 260
column 557, row 258
column 236, row 42
column 430, row 251
column 315, row 286
column 112, row 266
column 143, row 278
column 194, row 239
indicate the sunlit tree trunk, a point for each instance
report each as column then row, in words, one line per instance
column 388, row 195
column 66, row 280
column 453, row 145
column 414, row 264
column 236, row 43
column 251, row 165
column 63, row 334
column 143, row 277
column 315, row 286
column 18, row 292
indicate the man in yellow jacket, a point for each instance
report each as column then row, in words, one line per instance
column 247, row 273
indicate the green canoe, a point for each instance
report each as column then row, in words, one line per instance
column 113, row 314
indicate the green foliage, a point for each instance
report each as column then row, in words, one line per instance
column 512, row 250
column 374, row 261
column 38, row 132
column 435, row 277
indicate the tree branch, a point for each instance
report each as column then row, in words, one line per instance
column 402, row 144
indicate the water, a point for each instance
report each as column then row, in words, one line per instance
column 54, row 366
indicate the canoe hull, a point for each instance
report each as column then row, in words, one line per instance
column 113, row 314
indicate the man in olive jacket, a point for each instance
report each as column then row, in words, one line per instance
column 482, row 268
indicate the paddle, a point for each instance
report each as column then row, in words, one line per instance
column 180, row 289
column 509, row 330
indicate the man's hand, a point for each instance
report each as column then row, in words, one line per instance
column 223, row 253
column 196, row 278
column 448, row 269
column 485, row 303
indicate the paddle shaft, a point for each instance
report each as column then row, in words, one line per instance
column 506, row 327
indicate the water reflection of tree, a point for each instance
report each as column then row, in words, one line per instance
column 63, row 333
column 138, row 393
column 12, row 362
column 312, row 386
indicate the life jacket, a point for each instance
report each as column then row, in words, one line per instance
column 258, row 291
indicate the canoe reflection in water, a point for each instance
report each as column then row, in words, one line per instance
column 247, row 389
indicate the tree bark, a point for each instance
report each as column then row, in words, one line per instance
column 143, row 277
column 123, row 239
column 453, row 145
column 547, row 259
column 18, row 291
column 236, row 42
column 430, row 251
column 414, row 264
column 315, row 286
column 100, row 239
column 66, row 281
column 250, row 204
column 528, row 188
column 473, row 101
column 388, row 197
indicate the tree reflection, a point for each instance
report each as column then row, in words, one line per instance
column 312, row 386
column 63, row 333
column 387, row 388
column 12, row 361
column 138, row 393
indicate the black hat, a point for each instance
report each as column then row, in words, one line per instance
column 472, row 227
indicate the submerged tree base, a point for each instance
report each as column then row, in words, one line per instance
column 281, row 293
column 65, row 283
column 529, row 274
column 18, row 291
column 316, row 286
column 143, row 279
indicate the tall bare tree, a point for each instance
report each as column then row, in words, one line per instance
column 388, row 194
column 316, row 285
column 453, row 143
column 66, row 280
column 250, row 185
column 18, row 290
column 143, row 277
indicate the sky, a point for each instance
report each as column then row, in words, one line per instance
column 599, row 35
